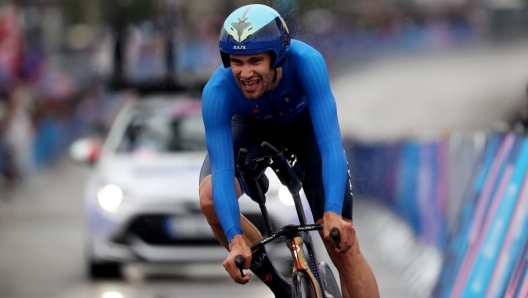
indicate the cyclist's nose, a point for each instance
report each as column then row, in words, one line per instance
column 246, row 72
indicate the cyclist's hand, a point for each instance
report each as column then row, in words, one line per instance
column 346, row 230
column 237, row 247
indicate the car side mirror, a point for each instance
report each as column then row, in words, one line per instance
column 85, row 150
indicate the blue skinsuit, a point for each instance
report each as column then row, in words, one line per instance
column 304, row 83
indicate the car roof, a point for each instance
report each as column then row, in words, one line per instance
column 174, row 103
column 164, row 98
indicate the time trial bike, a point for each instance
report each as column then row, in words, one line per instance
column 310, row 278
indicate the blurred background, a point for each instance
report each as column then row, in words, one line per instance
column 433, row 105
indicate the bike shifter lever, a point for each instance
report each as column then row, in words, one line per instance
column 336, row 236
column 241, row 158
column 239, row 261
column 270, row 148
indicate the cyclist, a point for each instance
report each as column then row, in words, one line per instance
column 274, row 89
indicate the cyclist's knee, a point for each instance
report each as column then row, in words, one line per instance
column 345, row 260
column 206, row 199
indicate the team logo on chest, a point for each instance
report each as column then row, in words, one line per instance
column 286, row 98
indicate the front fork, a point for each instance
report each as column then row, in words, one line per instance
column 308, row 264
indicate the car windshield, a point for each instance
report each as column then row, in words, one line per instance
column 163, row 131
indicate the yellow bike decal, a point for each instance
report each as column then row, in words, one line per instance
column 302, row 263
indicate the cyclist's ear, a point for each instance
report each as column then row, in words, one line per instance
column 273, row 57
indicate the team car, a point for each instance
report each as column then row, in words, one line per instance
column 141, row 199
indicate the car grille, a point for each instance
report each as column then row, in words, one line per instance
column 152, row 230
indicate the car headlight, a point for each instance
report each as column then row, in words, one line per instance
column 110, row 197
column 285, row 196
column 112, row 295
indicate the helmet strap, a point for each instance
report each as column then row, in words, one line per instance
column 274, row 76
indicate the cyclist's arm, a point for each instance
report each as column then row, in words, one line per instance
column 217, row 120
column 314, row 79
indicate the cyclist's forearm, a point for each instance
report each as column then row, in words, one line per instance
column 334, row 175
column 314, row 77
column 226, row 203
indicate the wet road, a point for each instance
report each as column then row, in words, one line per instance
column 41, row 250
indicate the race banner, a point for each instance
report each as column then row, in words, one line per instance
column 497, row 221
column 458, row 240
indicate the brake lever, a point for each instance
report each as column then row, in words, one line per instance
column 336, row 236
column 239, row 261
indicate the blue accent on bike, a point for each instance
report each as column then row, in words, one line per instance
column 315, row 271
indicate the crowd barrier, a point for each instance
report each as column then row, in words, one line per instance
column 487, row 252
column 468, row 196
column 409, row 177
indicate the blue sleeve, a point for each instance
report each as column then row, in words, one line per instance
column 217, row 120
column 313, row 77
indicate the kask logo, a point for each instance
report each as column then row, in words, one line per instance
column 239, row 47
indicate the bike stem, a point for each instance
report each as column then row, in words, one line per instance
column 288, row 177
column 265, row 215
column 299, row 208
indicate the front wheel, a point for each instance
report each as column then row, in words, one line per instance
column 302, row 286
column 329, row 281
column 106, row 270
column 97, row 269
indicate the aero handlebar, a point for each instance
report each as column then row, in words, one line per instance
column 334, row 233
column 288, row 177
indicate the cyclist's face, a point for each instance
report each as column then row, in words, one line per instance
column 253, row 73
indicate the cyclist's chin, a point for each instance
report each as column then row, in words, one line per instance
column 253, row 94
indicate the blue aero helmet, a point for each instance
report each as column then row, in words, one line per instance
column 253, row 29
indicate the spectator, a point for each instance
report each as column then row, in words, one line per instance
column 17, row 135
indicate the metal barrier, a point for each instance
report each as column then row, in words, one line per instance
column 465, row 194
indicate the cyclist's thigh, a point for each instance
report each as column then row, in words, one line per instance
column 205, row 170
column 304, row 144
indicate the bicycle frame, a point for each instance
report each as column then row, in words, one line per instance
column 297, row 237
column 299, row 242
column 302, row 263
